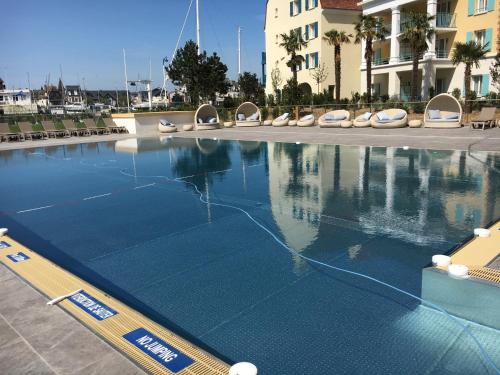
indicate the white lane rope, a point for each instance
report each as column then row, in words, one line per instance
column 35, row 209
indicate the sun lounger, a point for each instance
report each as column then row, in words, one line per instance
column 50, row 129
column 362, row 121
column 281, row 120
column 206, row 117
column 247, row 114
column 111, row 125
column 487, row 117
column 443, row 111
column 9, row 135
column 27, row 129
column 333, row 119
column 390, row 119
column 93, row 128
column 70, row 126
column 307, row 120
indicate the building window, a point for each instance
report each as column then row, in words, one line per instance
column 482, row 6
column 311, row 4
column 477, row 84
column 276, row 13
column 480, row 36
column 312, row 60
column 295, row 7
column 277, row 38
column 311, row 31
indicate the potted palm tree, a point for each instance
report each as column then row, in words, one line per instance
column 369, row 28
column 415, row 33
column 336, row 38
column 470, row 54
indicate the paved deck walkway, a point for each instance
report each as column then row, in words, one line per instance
column 442, row 139
column 40, row 339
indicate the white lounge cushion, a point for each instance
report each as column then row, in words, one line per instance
column 329, row 118
column 283, row 117
column 200, row 120
column 253, row 117
column 452, row 116
column 434, row 114
column 398, row 116
column 166, row 123
column 366, row 116
column 241, row 117
column 307, row 117
column 383, row 117
column 211, row 120
column 339, row 117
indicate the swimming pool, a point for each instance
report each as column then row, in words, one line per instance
column 127, row 216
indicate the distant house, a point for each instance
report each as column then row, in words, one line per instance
column 16, row 101
column 73, row 94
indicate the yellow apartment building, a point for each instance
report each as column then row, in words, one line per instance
column 313, row 18
column 456, row 21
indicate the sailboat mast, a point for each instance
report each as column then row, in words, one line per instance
column 198, row 26
column 239, row 51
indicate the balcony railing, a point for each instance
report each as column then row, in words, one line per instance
column 442, row 53
column 408, row 57
column 445, row 20
column 380, row 61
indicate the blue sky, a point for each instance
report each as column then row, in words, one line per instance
column 86, row 38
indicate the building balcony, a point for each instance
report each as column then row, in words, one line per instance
column 446, row 20
column 380, row 61
column 404, row 57
column 442, row 54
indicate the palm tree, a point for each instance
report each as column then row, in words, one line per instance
column 415, row 33
column 369, row 28
column 337, row 38
column 292, row 43
column 470, row 54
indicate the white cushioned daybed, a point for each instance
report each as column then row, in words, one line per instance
column 307, row 120
column 443, row 111
column 282, row 120
column 247, row 114
column 206, row 118
column 362, row 121
column 390, row 119
column 333, row 119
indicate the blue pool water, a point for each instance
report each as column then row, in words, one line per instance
column 127, row 217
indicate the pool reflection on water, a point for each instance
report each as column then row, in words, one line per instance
column 211, row 274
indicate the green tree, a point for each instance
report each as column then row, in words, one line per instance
column 2, row 84
column 249, row 86
column 415, row 33
column 292, row 43
column 470, row 54
column 369, row 28
column 336, row 38
column 213, row 79
column 201, row 75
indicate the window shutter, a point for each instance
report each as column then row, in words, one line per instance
column 315, row 3
column 491, row 5
column 299, row 29
column 315, row 29
column 488, row 37
column 378, row 56
column 468, row 36
column 299, row 7
column 307, row 61
column 470, row 7
column 316, row 59
column 485, row 85
column 291, row 8
column 307, row 32
column 307, row 4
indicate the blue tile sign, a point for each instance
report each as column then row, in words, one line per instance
column 4, row 245
column 18, row 257
column 92, row 306
column 158, row 349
